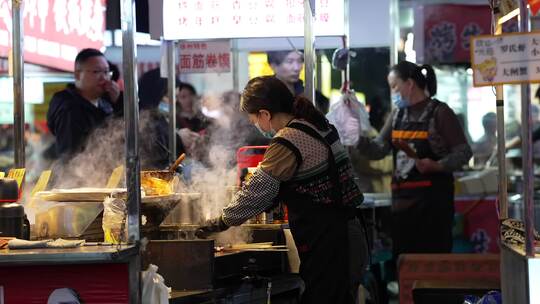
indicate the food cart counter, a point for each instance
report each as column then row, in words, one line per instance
column 83, row 254
column 520, row 274
column 94, row 274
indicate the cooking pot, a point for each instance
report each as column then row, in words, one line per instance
column 9, row 190
column 161, row 174
column 187, row 212
column 13, row 221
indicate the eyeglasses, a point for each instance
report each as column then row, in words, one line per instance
column 105, row 73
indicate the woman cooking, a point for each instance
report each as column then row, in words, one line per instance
column 306, row 167
column 428, row 144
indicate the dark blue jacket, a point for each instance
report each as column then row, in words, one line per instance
column 71, row 118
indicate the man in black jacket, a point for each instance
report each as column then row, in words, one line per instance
column 82, row 107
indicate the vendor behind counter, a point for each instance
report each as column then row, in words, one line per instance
column 428, row 144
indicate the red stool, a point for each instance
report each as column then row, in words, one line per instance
column 248, row 156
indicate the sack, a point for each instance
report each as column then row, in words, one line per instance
column 350, row 118
column 154, row 290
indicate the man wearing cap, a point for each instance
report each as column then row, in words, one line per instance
column 83, row 106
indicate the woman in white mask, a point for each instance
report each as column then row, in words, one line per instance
column 428, row 144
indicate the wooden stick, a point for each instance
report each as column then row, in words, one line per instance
column 178, row 161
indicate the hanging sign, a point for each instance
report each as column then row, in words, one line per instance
column 18, row 175
column 442, row 31
column 505, row 59
column 213, row 19
column 205, row 57
column 534, row 5
column 55, row 30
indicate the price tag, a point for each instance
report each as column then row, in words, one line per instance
column 18, row 175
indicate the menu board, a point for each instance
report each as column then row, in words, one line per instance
column 506, row 59
column 211, row 19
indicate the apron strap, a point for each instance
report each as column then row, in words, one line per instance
column 293, row 148
column 399, row 117
column 332, row 166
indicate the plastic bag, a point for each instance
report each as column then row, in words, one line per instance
column 114, row 220
column 64, row 295
column 154, row 290
column 492, row 297
column 350, row 118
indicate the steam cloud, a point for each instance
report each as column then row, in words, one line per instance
column 105, row 150
column 221, row 173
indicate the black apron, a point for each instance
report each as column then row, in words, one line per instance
column 322, row 234
column 422, row 204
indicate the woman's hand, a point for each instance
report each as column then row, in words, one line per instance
column 210, row 227
column 427, row 165
column 189, row 138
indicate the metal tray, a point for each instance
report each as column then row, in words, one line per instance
column 80, row 194
column 98, row 195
